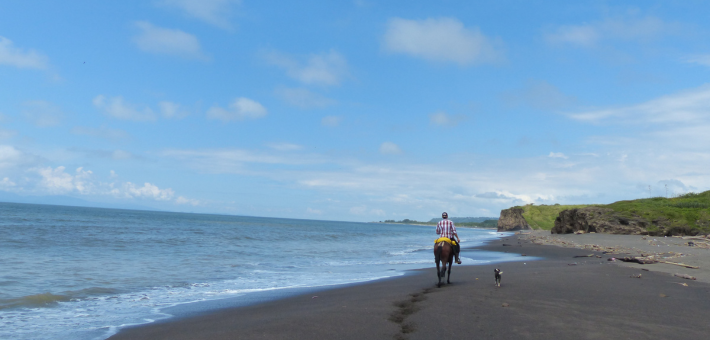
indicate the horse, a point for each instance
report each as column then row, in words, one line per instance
column 444, row 253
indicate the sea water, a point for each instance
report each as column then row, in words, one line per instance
column 83, row 273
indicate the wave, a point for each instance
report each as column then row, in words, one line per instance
column 34, row 301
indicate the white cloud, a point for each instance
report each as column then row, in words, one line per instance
column 190, row 201
column 6, row 183
column 625, row 29
column 214, row 12
column 441, row 39
column 686, row 107
column 539, row 95
column 318, row 69
column 442, row 118
column 9, row 156
column 21, row 58
column 303, row 98
column 172, row 110
column 56, row 181
column 331, row 121
column 160, row 40
column 242, row 108
column 389, row 148
column 557, row 155
column 116, row 107
column 699, row 59
column 148, row 190
column 42, row 113
column 102, row 132
column 286, row 147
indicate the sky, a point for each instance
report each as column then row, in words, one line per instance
column 352, row 110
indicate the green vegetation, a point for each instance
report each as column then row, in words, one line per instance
column 543, row 216
column 682, row 213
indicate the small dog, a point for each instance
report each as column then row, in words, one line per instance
column 497, row 275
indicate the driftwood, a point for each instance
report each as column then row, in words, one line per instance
column 639, row 260
column 680, row 264
column 590, row 255
column 685, row 276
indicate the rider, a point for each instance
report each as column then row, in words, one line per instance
column 445, row 228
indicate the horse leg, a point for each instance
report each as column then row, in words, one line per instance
column 448, row 279
column 437, row 257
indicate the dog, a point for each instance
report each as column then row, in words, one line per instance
column 497, row 275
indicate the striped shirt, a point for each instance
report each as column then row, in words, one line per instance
column 445, row 228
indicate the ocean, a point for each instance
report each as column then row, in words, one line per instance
column 83, row 273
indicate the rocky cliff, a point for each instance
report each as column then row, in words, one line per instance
column 512, row 219
column 598, row 220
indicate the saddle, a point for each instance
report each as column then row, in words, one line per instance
column 445, row 239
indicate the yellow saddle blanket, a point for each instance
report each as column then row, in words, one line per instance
column 445, row 239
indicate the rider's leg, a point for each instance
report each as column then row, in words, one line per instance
column 457, row 248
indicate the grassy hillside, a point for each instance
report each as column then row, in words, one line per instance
column 543, row 216
column 689, row 211
column 682, row 214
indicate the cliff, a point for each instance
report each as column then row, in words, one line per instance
column 599, row 220
column 512, row 219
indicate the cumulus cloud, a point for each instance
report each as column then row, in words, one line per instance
column 440, row 39
column 148, row 190
column 539, row 95
column 318, row 69
column 303, row 98
column 442, row 118
column 389, row 148
column 116, row 107
column 214, row 12
column 331, row 121
column 19, row 57
column 240, row 109
column 56, row 181
column 624, row 29
column 158, row 40
column 101, row 132
column 42, row 113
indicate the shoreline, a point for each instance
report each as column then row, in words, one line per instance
column 555, row 296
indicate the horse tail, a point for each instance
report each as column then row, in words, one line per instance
column 437, row 254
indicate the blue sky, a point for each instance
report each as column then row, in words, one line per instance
column 352, row 110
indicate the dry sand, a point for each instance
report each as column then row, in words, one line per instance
column 556, row 296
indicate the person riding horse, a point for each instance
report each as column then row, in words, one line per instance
column 446, row 228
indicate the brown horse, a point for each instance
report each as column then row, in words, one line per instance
column 443, row 253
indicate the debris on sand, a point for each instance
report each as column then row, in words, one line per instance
column 685, row 276
column 637, row 276
column 505, row 304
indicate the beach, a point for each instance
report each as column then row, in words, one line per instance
column 549, row 293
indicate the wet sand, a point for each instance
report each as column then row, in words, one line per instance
column 558, row 296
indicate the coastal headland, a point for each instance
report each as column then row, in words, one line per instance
column 563, row 287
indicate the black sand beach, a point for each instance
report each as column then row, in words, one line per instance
column 556, row 297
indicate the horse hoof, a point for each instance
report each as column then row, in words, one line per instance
column 448, row 282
